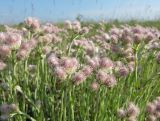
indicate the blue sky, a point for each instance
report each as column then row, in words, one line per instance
column 13, row 11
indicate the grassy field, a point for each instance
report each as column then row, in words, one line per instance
column 80, row 71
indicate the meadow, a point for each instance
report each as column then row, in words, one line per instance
column 80, row 71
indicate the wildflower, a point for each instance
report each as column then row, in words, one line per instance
column 56, row 39
column 87, row 70
column 121, row 113
column 25, row 46
column 131, row 66
column 92, row 63
column 123, row 71
column 132, row 110
column 110, row 81
column 69, row 64
column 22, row 54
column 76, row 25
column 106, row 36
column 115, row 48
column 106, row 63
column 32, row 42
column 150, row 108
column 32, row 22
column 95, row 86
column 84, row 30
column 101, row 76
column 46, row 39
column 4, row 51
column 2, row 65
column 152, row 118
column 52, row 60
column 131, row 119
column 13, row 40
column 28, row 21
column 114, row 39
column 137, row 38
column 60, row 73
column 67, row 24
column 79, row 78
column 48, row 28
column 3, row 37
column 46, row 50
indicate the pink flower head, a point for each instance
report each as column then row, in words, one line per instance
column 46, row 50
column 56, row 38
column 84, row 30
column 67, row 63
column 106, row 63
column 138, row 38
column 132, row 110
column 29, row 21
column 22, row 54
column 60, row 73
column 92, row 63
column 5, row 50
column 32, row 43
column 25, row 46
column 46, row 39
column 76, row 25
column 87, row 70
column 137, row 29
column 2, row 65
column 79, row 78
column 101, row 76
column 33, row 22
column 95, row 86
column 121, row 113
column 48, row 28
column 2, row 37
column 115, row 31
column 150, row 36
column 114, row 38
column 53, row 60
column 150, row 108
column 13, row 40
column 123, row 71
column 115, row 48
column 110, row 81
column 131, row 66
column 68, row 24
column 90, row 50
column 106, row 36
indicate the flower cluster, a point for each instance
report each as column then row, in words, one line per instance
column 130, row 113
column 153, row 109
column 62, row 66
column 32, row 22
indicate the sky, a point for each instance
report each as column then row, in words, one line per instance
column 14, row 11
